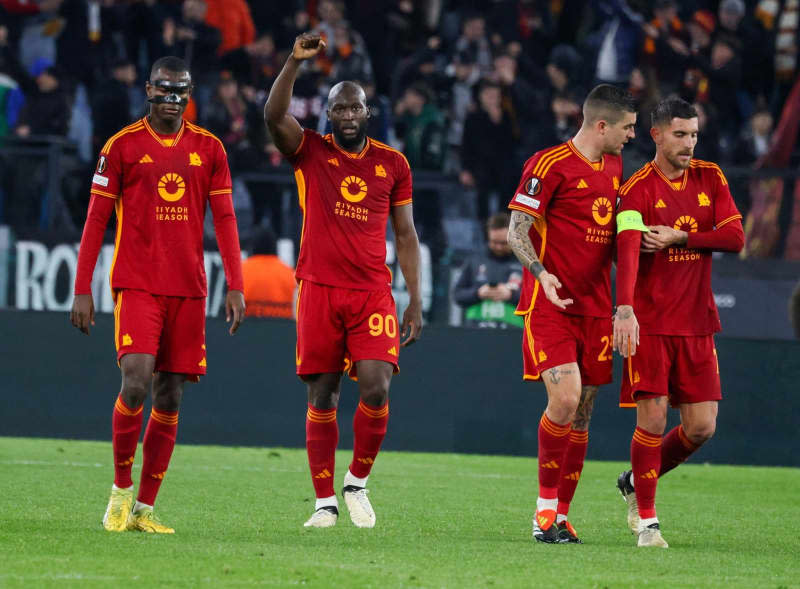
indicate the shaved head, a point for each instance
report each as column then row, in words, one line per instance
column 350, row 89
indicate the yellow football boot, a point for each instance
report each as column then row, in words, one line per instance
column 145, row 520
column 118, row 510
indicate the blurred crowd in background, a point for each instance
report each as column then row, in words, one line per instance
column 466, row 89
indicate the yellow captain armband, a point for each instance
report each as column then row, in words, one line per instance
column 631, row 220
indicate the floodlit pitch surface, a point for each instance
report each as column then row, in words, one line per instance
column 444, row 520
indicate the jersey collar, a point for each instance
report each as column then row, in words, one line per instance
column 673, row 184
column 356, row 156
column 596, row 166
column 165, row 143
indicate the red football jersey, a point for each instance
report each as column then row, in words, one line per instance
column 673, row 286
column 572, row 202
column 161, row 185
column 345, row 198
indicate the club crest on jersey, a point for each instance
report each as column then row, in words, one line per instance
column 101, row 164
column 703, row 200
column 533, row 186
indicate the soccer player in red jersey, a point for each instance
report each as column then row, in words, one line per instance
column 348, row 185
column 673, row 213
column 158, row 174
column 562, row 230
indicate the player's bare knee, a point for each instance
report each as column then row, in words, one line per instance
column 323, row 398
column 135, row 388
column 651, row 414
column 700, row 433
column 375, row 393
column 562, row 407
column 167, row 399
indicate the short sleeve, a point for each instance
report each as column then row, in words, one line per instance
column 107, row 179
column 221, row 173
column 401, row 191
column 310, row 137
column 725, row 209
column 537, row 184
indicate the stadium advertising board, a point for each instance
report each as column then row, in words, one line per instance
column 40, row 277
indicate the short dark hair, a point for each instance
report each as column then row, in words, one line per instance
column 498, row 221
column 169, row 63
column 607, row 102
column 671, row 108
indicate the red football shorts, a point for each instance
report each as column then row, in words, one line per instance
column 173, row 329
column 551, row 338
column 337, row 327
column 685, row 368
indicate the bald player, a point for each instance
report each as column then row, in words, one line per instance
column 562, row 230
column 349, row 185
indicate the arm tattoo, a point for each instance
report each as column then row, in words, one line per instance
column 583, row 413
column 624, row 313
column 520, row 242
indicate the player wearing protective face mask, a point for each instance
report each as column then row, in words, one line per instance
column 158, row 174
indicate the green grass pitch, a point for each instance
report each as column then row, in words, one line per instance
column 444, row 520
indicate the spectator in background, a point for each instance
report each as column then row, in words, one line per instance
column 112, row 103
column 723, row 71
column 708, row 128
column 428, row 65
column 757, row 66
column 238, row 124
column 617, row 43
column 666, row 47
column 781, row 19
column 269, row 284
column 755, row 138
column 487, row 150
column 45, row 112
column 46, row 109
column 521, row 100
column 349, row 59
column 489, row 286
column 421, row 128
column 234, row 21
column 254, row 66
column 566, row 118
column 465, row 74
column 475, row 42
column 197, row 43
column 12, row 77
column 530, row 22
column 695, row 83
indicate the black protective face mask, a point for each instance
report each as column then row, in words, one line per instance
column 177, row 93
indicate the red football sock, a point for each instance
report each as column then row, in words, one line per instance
column 126, row 426
column 369, row 429
column 571, row 468
column 675, row 450
column 159, row 441
column 646, row 462
column 322, row 437
column 553, row 440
